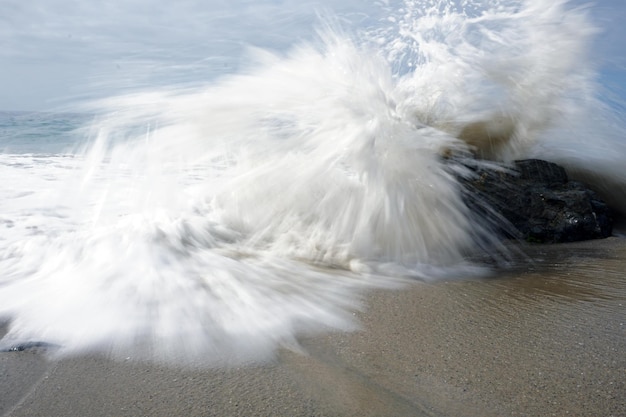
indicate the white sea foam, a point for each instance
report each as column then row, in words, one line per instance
column 216, row 224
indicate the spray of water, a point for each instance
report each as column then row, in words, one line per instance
column 216, row 224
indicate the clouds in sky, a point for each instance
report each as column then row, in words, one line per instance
column 54, row 51
column 61, row 48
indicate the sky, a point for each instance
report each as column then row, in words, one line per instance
column 56, row 52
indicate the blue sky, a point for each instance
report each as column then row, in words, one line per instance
column 610, row 47
column 54, row 52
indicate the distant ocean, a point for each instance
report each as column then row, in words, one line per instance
column 40, row 132
column 221, row 222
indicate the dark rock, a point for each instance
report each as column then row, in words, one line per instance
column 535, row 201
column 29, row 346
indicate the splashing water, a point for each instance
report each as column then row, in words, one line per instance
column 216, row 224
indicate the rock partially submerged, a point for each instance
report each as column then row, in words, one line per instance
column 534, row 201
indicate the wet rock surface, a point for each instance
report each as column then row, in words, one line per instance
column 535, row 201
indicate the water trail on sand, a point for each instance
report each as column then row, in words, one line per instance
column 216, row 224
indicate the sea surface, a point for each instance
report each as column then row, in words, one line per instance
column 219, row 222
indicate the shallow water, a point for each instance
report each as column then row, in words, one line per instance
column 545, row 339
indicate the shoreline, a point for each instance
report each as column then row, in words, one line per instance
column 544, row 338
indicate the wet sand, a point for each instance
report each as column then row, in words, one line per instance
column 546, row 338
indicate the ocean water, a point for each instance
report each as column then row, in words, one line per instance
column 216, row 223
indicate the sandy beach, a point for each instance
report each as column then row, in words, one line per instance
column 545, row 338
